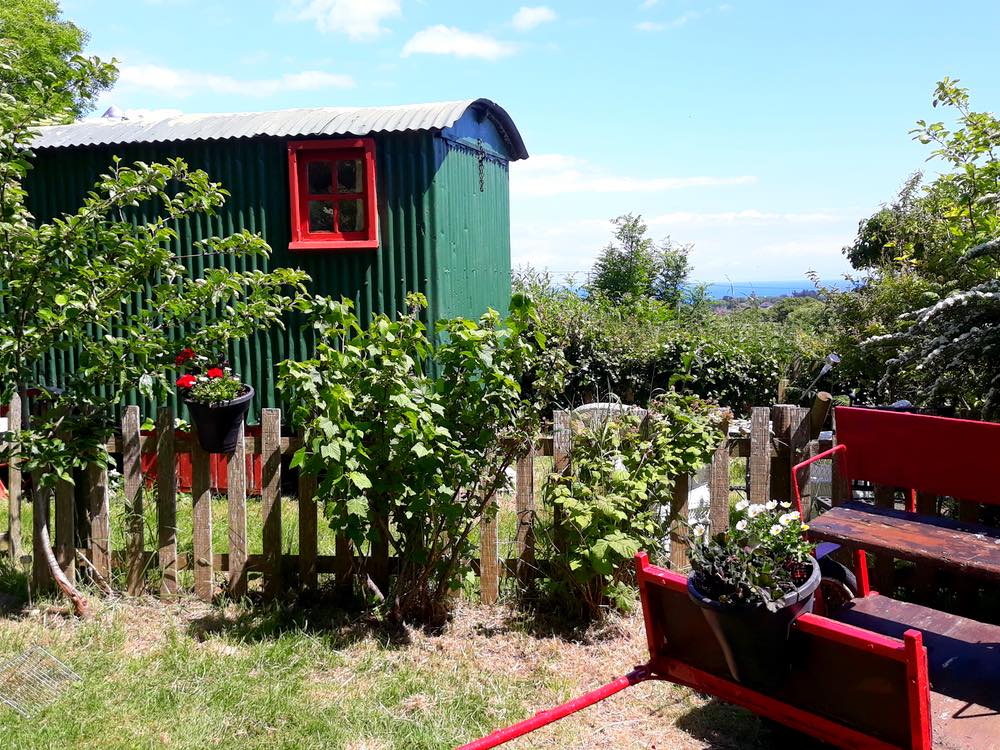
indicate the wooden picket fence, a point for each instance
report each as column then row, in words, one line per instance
column 779, row 437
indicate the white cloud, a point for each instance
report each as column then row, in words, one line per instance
column 678, row 21
column 177, row 82
column 448, row 40
column 528, row 18
column 358, row 19
column 746, row 216
column 647, row 4
column 683, row 18
column 558, row 174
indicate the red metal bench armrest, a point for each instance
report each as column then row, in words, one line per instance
column 795, row 471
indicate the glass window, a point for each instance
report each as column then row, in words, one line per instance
column 320, row 216
column 349, row 176
column 352, row 216
column 332, row 186
column 320, row 177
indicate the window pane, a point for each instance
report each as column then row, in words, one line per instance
column 320, row 216
column 320, row 177
column 352, row 216
column 349, row 176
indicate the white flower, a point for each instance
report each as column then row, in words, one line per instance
column 699, row 530
column 771, row 504
column 784, row 505
column 741, row 524
column 755, row 510
column 742, row 505
column 787, row 518
column 775, row 530
column 619, row 464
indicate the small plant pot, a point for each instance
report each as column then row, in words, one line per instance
column 219, row 424
column 754, row 640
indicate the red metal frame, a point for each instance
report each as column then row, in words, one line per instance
column 539, row 720
column 300, row 153
column 840, row 448
column 910, row 651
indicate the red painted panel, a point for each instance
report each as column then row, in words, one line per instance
column 219, row 466
column 763, row 705
column 937, row 455
column 919, row 689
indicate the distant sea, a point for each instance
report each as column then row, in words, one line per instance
column 720, row 289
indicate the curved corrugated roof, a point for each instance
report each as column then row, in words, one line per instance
column 359, row 121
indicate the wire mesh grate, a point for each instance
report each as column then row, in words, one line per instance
column 32, row 680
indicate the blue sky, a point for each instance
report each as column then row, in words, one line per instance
column 759, row 131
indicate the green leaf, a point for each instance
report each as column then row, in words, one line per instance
column 359, row 480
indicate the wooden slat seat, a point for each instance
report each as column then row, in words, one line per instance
column 963, row 660
column 966, row 547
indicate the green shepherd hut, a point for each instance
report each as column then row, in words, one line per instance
column 371, row 202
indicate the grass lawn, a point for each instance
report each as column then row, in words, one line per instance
column 190, row 675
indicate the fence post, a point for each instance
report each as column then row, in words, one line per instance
column 679, row 516
column 798, row 447
column 237, row 503
column 782, row 416
column 100, row 520
column 760, row 454
column 14, row 486
column 718, row 484
column 201, row 510
column 818, row 414
column 135, row 523
column 525, row 509
column 562, row 443
column 270, row 498
column 166, row 500
column 307, row 530
column 489, row 558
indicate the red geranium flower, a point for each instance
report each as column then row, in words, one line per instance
column 186, row 381
column 186, row 354
column 215, row 372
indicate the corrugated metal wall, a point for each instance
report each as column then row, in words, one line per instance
column 440, row 234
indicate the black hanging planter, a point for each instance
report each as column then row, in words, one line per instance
column 754, row 639
column 219, row 424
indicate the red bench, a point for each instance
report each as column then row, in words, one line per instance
column 918, row 454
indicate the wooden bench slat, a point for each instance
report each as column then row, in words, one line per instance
column 967, row 547
column 962, row 661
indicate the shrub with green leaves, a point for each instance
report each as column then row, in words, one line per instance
column 407, row 455
column 636, row 348
column 614, row 499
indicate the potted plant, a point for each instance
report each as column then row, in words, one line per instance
column 216, row 398
column 751, row 582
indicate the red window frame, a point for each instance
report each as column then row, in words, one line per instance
column 300, row 154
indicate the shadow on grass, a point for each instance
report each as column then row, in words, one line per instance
column 320, row 614
column 725, row 727
column 13, row 588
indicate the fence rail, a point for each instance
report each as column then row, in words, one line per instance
column 779, row 437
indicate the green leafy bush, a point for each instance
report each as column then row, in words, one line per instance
column 408, row 456
column 614, row 500
column 923, row 325
column 636, row 349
